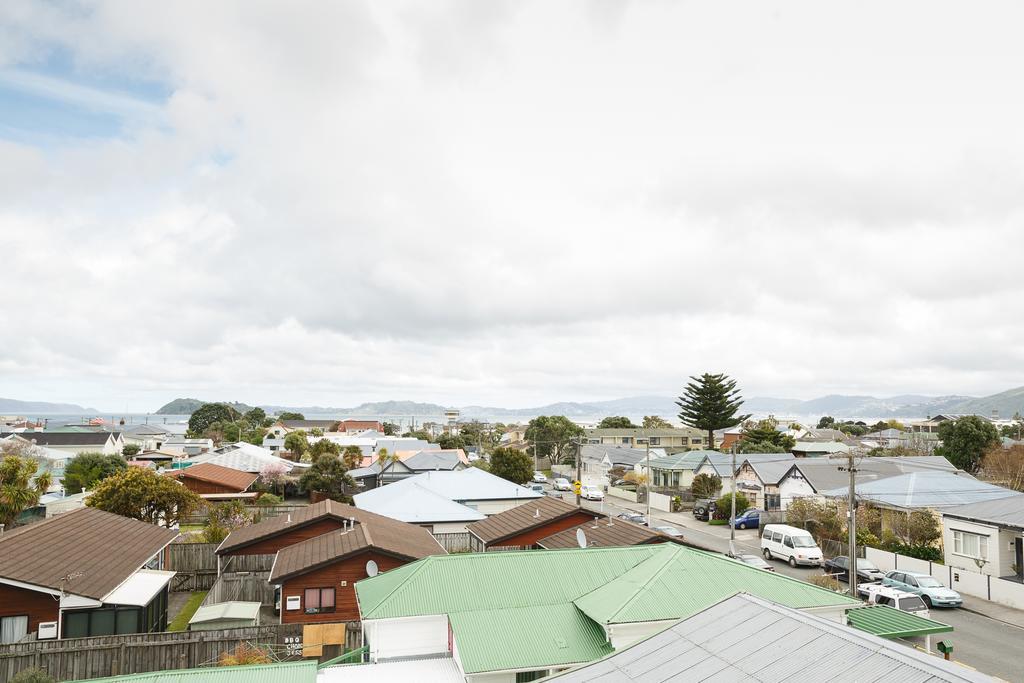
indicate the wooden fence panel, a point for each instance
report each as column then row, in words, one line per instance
column 457, row 542
column 196, row 564
column 244, row 587
column 79, row 658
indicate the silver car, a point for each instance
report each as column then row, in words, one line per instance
column 928, row 587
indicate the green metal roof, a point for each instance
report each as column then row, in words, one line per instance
column 526, row 637
column 680, row 581
column 887, row 622
column 688, row 460
column 284, row 672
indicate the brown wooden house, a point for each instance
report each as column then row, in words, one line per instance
column 83, row 573
column 605, row 533
column 214, row 481
column 523, row 526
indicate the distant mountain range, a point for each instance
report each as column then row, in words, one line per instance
column 910, row 405
column 10, row 405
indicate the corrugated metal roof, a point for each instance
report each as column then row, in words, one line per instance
column 226, row 610
column 604, row 533
column 526, row 637
column 745, row 638
column 423, row 669
column 285, row 672
column 1008, row 511
column 521, row 518
column 884, row 621
column 927, row 489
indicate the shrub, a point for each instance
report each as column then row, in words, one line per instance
column 245, row 654
column 706, row 486
column 32, row 676
column 269, row 499
column 723, row 506
column 826, row 581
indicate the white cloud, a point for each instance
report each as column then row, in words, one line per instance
column 517, row 202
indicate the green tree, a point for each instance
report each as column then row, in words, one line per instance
column 853, row 428
column 255, row 418
column 826, row 422
column 723, row 506
column 352, row 457
column 145, row 495
column 296, row 442
column 208, row 413
column 21, row 485
column 764, row 434
column 515, row 466
column 316, row 431
column 554, row 436
column 617, row 422
column 131, row 449
column 821, row 519
column 655, row 422
column 451, row 441
column 919, row 528
column 711, row 402
column 390, row 428
column 291, row 416
column 964, row 441
column 327, row 476
column 88, row 469
column 706, row 486
column 324, row 447
column 225, row 518
column 420, row 434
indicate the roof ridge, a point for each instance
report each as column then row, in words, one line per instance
column 661, row 555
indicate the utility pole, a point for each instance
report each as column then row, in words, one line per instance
column 647, row 487
column 579, row 474
column 852, row 525
column 732, row 513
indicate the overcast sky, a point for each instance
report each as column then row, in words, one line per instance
column 508, row 203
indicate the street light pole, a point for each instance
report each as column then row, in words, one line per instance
column 647, row 486
column 732, row 513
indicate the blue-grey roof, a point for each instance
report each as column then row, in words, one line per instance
column 433, row 460
column 618, row 455
column 745, row 638
column 926, row 489
column 1008, row 511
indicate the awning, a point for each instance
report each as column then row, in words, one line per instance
column 139, row 589
column 887, row 622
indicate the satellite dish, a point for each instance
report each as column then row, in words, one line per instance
column 371, row 568
column 581, row 538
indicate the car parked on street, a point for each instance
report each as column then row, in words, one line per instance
column 750, row 519
column 703, row 509
column 789, row 543
column 562, row 484
column 669, row 531
column 879, row 594
column 839, row 567
column 927, row 586
column 591, row 493
column 539, row 477
column 634, row 517
column 755, row 561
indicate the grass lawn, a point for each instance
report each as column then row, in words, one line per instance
column 718, row 522
column 180, row 622
column 186, row 528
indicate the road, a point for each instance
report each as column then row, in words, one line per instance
column 988, row 645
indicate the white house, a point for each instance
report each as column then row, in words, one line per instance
column 987, row 536
column 73, row 443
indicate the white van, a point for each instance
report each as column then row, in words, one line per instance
column 789, row 543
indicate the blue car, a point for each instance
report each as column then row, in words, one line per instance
column 750, row 519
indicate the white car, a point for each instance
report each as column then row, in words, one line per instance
column 591, row 493
column 878, row 594
column 539, row 477
column 562, row 484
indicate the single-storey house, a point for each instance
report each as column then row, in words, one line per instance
column 83, row 573
column 73, row 443
column 759, row 482
column 986, row 536
column 207, row 478
column 607, row 532
column 523, row 526
column 316, row 577
column 520, row 615
column 414, row 463
column 598, row 460
column 445, row 501
column 147, row 436
column 187, row 447
column 720, row 464
column 926, row 490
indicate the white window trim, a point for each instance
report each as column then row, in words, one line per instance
column 982, row 547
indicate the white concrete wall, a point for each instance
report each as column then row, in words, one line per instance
column 407, row 637
column 616, row 492
column 659, row 501
column 792, row 488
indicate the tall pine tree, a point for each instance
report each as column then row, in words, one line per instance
column 710, row 402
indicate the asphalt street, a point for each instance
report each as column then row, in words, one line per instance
column 988, row 645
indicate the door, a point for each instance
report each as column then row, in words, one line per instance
column 1018, row 553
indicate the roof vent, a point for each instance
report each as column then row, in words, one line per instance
column 289, row 518
column 536, row 513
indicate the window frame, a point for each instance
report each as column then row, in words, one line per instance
column 320, row 591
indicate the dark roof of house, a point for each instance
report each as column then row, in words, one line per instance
column 1008, row 511
column 606, row 533
column 216, row 474
column 67, row 438
column 433, row 460
column 389, row 536
column 521, row 518
column 97, row 550
column 384, row 527
column 309, row 424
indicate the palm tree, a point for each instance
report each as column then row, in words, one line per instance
column 20, row 486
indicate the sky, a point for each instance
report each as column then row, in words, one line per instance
column 508, row 203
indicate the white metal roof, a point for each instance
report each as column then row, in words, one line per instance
column 433, row 669
column 226, row 610
column 415, row 504
column 927, row 489
column 139, row 588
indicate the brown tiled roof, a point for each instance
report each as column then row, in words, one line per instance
column 403, row 540
column 606, row 533
column 529, row 515
column 97, row 550
column 383, row 528
column 216, row 474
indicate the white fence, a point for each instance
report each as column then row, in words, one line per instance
column 622, row 493
column 992, row 588
column 659, row 501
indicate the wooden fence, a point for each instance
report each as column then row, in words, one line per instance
column 244, row 587
column 196, row 564
column 264, row 511
column 457, row 542
column 79, row 658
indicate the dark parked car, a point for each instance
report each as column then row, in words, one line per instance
column 703, row 509
column 634, row 517
column 750, row 519
column 839, row 567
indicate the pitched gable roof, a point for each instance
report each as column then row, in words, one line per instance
column 97, row 550
column 216, row 474
column 606, row 533
column 522, row 518
column 67, row 438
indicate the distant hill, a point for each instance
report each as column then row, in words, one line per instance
column 1006, row 404
column 10, row 405
column 187, row 406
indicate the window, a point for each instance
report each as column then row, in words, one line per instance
column 76, row 624
column 527, row 676
column 13, row 629
column 102, row 623
column 970, row 545
column 777, row 537
column 772, row 501
column 626, row 439
column 655, row 440
column 788, row 542
column 319, row 600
